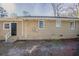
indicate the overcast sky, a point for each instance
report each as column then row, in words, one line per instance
column 35, row 9
column 39, row 9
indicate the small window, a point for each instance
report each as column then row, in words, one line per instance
column 72, row 25
column 41, row 24
column 6, row 26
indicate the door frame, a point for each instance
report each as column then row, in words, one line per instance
column 11, row 27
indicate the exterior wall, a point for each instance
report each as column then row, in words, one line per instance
column 32, row 31
column 4, row 32
column 19, row 30
column 66, row 32
column 77, row 27
column 1, row 31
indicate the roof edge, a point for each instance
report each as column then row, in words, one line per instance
column 42, row 17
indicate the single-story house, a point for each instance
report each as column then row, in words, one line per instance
column 38, row 28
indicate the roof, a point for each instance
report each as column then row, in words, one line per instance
column 48, row 17
column 20, row 18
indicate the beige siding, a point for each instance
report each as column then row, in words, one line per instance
column 1, row 31
column 50, row 31
column 19, row 29
column 31, row 31
column 4, row 32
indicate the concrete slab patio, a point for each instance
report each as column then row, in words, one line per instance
column 40, row 48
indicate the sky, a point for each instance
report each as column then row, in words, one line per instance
column 38, row 9
column 10, row 8
column 34, row 9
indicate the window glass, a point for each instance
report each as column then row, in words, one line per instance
column 41, row 24
column 6, row 26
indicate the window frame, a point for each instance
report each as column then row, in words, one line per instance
column 43, row 24
column 5, row 24
column 73, row 26
column 58, row 24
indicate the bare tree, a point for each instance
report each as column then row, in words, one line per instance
column 71, row 11
column 3, row 12
column 59, row 8
column 78, row 10
column 56, row 8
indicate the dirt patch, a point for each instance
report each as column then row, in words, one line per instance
column 40, row 48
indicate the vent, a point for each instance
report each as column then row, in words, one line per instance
column 61, row 35
column 78, row 35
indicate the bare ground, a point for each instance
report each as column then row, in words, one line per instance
column 40, row 48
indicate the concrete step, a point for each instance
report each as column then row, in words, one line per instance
column 12, row 39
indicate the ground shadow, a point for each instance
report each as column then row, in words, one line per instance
column 77, row 50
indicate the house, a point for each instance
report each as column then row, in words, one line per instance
column 38, row 28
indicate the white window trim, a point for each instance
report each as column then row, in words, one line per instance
column 4, row 25
column 58, row 23
column 43, row 24
column 74, row 26
column 9, row 25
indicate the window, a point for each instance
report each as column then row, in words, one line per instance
column 41, row 24
column 72, row 25
column 6, row 26
column 58, row 23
